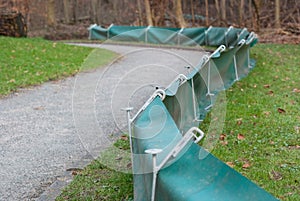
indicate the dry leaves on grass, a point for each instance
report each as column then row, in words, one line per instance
column 271, row 93
column 239, row 121
column 230, row 164
column 222, row 139
column 246, row 165
column 274, row 175
column 296, row 90
column 281, row 111
column 240, row 137
column 124, row 137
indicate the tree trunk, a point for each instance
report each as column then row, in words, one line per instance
column 277, row 14
column 74, row 12
column 51, row 13
column 67, row 11
column 158, row 10
column 179, row 14
column 140, row 12
column 241, row 12
column 148, row 13
column 94, row 13
column 251, row 14
column 223, row 10
column 257, row 6
column 206, row 13
column 116, row 10
column 192, row 11
column 218, row 11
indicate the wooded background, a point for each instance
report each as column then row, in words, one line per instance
column 45, row 15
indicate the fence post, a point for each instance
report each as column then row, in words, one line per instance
column 206, row 35
column 107, row 34
column 225, row 35
column 178, row 35
column 146, row 33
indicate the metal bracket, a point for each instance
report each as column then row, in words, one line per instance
column 240, row 44
column 206, row 33
column 178, row 36
column 107, row 35
column 146, row 33
column 226, row 33
column 159, row 92
column 190, row 134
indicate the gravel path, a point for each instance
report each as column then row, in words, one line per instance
column 52, row 128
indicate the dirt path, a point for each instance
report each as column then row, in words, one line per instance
column 52, row 128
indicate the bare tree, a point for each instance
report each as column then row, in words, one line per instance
column 218, row 10
column 241, row 12
column 140, row 19
column 179, row 14
column 257, row 7
column 95, row 4
column 223, row 10
column 51, row 19
column 206, row 13
column 277, row 14
column 148, row 13
column 67, row 13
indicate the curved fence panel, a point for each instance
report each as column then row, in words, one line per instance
column 167, row 164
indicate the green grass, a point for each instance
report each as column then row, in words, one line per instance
column 97, row 182
column 261, row 137
column 263, row 109
column 26, row 62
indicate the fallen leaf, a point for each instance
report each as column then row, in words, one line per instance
column 246, row 165
column 239, row 122
column 267, row 113
column 271, row 93
column 267, row 86
column 12, row 81
column 124, row 137
column 230, row 164
column 280, row 110
column 224, row 143
column 222, row 137
column 240, row 137
column 275, row 175
column 129, row 165
column 294, row 147
column 119, row 158
column 296, row 90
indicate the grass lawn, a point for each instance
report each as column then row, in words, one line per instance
column 261, row 137
column 26, row 62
